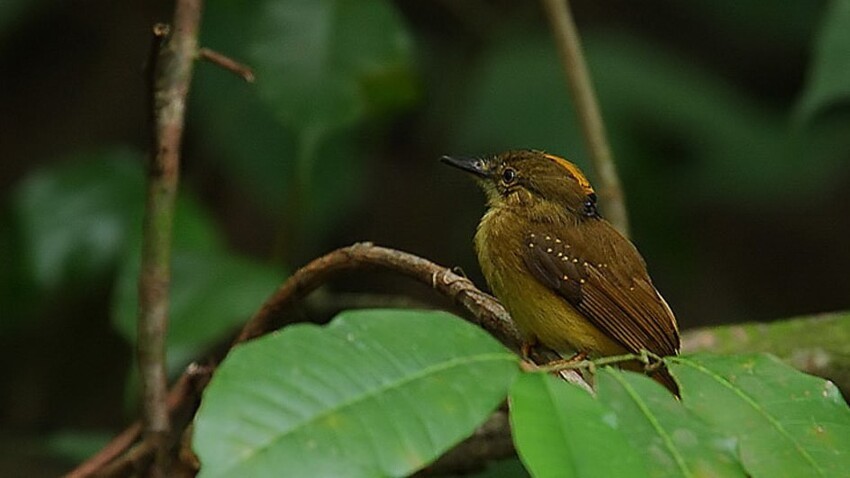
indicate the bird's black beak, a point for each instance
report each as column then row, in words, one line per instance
column 476, row 166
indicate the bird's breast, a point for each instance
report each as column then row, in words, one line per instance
column 539, row 313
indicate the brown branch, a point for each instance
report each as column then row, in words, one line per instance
column 476, row 306
column 593, row 129
column 113, row 449
column 171, row 75
column 480, row 308
column 243, row 71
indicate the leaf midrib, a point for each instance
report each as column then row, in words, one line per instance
column 653, row 421
column 755, row 405
column 430, row 370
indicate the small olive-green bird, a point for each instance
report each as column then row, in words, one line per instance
column 569, row 280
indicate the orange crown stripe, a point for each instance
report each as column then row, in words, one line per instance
column 573, row 170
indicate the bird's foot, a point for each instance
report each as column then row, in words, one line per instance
column 577, row 361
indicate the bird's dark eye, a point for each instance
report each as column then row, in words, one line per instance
column 590, row 206
column 508, row 176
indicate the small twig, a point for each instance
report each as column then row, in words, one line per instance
column 593, row 129
column 560, row 365
column 243, row 71
column 171, row 75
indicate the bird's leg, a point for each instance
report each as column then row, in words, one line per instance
column 526, row 348
column 651, row 362
column 571, row 362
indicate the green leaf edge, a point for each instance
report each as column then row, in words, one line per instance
column 753, row 403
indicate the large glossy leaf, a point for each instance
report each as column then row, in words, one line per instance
column 674, row 442
column 375, row 393
column 212, row 293
column 787, row 423
column 828, row 83
column 561, row 431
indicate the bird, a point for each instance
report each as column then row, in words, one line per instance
column 568, row 278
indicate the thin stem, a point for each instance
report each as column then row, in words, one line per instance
column 587, row 108
column 560, row 365
column 243, row 71
column 171, row 75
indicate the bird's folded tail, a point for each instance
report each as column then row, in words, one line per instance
column 662, row 376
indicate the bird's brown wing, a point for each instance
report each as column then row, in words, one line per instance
column 626, row 309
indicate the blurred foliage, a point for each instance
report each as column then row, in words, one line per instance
column 213, row 293
column 12, row 14
column 76, row 446
column 352, row 97
column 75, row 220
column 324, row 69
column 829, row 80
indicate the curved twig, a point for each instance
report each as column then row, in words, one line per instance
column 476, row 306
column 480, row 308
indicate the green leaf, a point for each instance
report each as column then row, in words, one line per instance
column 787, row 423
column 675, row 442
column 212, row 293
column 561, row 431
column 828, row 83
column 75, row 218
column 375, row 393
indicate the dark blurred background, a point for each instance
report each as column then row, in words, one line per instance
column 728, row 121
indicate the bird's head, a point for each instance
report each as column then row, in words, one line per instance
column 531, row 181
